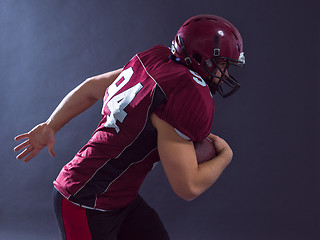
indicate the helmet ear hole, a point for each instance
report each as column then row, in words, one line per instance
column 177, row 40
column 197, row 57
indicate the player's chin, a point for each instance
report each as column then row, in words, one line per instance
column 217, row 82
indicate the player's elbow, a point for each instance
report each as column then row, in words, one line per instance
column 188, row 198
column 187, row 193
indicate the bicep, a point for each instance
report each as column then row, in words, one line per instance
column 177, row 156
column 97, row 85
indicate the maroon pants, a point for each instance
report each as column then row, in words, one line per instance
column 136, row 221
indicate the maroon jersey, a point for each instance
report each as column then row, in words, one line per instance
column 108, row 171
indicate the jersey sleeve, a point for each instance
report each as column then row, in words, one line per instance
column 190, row 107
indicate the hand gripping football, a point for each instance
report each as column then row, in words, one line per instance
column 204, row 150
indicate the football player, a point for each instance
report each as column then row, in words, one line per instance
column 154, row 108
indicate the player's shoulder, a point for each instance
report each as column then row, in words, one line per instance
column 155, row 51
column 179, row 81
column 151, row 60
column 190, row 106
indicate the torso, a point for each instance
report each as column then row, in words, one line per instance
column 108, row 171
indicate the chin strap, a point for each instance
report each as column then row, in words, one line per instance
column 216, row 50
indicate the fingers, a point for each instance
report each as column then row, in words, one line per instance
column 22, row 145
column 35, row 140
column 25, row 152
column 30, row 151
column 31, row 155
column 219, row 143
column 213, row 137
column 21, row 136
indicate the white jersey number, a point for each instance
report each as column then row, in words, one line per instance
column 117, row 103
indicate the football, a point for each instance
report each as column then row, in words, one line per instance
column 204, row 150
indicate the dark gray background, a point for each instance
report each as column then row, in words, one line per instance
column 271, row 189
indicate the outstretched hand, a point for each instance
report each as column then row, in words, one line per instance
column 38, row 138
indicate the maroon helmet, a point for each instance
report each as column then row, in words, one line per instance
column 204, row 41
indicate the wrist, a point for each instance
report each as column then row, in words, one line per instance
column 227, row 155
column 50, row 123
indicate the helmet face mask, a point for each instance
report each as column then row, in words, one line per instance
column 227, row 84
column 204, row 41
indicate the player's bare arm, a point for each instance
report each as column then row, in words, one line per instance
column 188, row 179
column 76, row 101
column 81, row 98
